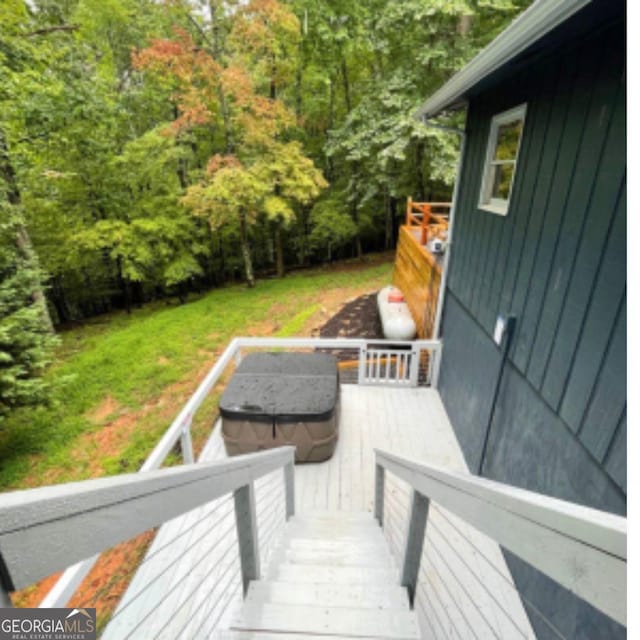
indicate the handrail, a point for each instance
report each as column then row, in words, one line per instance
column 180, row 428
column 44, row 530
column 426, row 219
column 583, row 549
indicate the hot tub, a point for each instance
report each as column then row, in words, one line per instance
column 276, row 399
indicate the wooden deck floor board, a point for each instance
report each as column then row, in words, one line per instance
column 405, row 421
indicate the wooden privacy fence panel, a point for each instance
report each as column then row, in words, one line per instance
column 417, row 274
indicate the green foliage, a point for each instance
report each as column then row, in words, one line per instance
column 137, row 361
column 332, row 225
column 25, row 339
column 153, row 149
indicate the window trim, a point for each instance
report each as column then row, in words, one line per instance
column 498, row 205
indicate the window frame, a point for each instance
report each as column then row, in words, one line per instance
column 500, row 206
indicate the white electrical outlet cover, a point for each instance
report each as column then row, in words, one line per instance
column 498, row 332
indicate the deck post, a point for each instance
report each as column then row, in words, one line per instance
column 289, row 489
column 414, row 543
column 186, row 444
column 362, row 365
column 435, row 359
column 379, row 499
column 414, row 369
column 247, row 526
column 5, row 600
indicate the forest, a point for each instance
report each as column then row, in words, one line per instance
column 153, row 148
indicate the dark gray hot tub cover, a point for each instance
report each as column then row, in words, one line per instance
column 285, row 386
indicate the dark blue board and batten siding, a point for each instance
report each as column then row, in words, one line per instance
column 557, row 261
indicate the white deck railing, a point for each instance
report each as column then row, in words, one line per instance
column 582, row 549
column 43, row 530
column 379, row 362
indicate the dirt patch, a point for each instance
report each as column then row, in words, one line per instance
column 107, row 408
column 265, row 328
column 110, row 577
column 91, row 448
column 163, row 360
column 104, row 585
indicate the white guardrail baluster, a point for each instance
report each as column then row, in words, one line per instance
column 582, row 549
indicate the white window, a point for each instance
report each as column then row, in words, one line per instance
column 502, row 156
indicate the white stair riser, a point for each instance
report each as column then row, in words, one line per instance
column 346, row 545
column 329, row 595
column 339, row 559
column 328, row 575
column 388, row 624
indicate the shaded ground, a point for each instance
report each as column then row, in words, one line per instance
column 357, row 319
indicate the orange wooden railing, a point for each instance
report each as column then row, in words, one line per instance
column 431, row 224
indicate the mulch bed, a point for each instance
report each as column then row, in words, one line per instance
column 357, row 319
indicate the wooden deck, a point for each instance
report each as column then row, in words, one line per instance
column 188, row 585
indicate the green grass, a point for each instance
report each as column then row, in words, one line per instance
column 134, row 359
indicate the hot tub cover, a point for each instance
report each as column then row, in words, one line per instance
column 287, row 386
column 274, row 399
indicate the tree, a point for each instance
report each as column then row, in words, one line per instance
column 230, row 193
column 293, row 181
column 101, row 145
column 26, row 340
column 264, row 175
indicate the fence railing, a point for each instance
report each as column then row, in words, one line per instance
column 44, row 530
column 432, row 218
column 409, row 370
column 582, row 549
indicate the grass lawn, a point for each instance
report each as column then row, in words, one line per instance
column 122, row 379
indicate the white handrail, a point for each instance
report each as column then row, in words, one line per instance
column 43, row 530
column 583, row 549
column 180, row 428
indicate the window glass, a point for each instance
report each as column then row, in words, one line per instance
column 507, row 140
column 500, row 165
column 503, row 175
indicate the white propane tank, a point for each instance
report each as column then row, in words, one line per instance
column 397, row 323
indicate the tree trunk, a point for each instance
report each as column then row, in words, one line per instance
column 330, row 125
column 304, row 237
column 22, row 236
column 419, row 173
column 246, row 252
column 217, row 52
column 393, row 204
column 298, row 91
column 277, row 237
column 464, row 25
column 124, row 286
column 59, row 301
column 358, row 245
column 388, row 221
column 354, row 213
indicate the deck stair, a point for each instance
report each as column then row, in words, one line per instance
column 332, row 576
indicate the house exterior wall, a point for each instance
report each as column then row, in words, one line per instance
column 557, row 261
